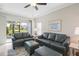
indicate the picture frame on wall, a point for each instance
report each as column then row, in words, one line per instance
column 55, row 25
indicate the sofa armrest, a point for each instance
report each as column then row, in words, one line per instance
column 61, row 47
column 41, row 36
column 63, row 50
column 31, row 36
column 13, row 39
column 66, row 42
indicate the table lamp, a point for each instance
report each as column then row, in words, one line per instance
column 77, row 34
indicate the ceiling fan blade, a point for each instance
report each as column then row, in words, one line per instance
column 41, row 3
column 27, row 6
column 36, row 7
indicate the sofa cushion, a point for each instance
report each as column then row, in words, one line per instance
column 20, row 40
column 18, row 35
column 26, row 35
column 27, row 39
column 55, row 43
column 60, row 38
column 51, row 36
column 45, row 35
column 44, row 41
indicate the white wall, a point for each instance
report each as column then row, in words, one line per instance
column 69, row 17
column 2, row 29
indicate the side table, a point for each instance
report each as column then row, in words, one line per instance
column 73, row 47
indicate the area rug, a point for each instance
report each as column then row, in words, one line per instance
column 19, row 51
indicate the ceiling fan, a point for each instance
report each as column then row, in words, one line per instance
column 35, row 5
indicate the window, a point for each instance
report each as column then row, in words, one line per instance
column 39, row 28
column 14, row 27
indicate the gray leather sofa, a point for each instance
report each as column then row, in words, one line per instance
column 58, row 42
column 19, row 39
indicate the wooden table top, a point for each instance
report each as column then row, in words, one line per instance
column 74, row 45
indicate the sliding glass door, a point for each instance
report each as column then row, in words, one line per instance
column 14, row 27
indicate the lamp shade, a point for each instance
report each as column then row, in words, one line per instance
column 76, row 31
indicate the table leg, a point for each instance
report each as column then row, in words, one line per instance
column 73, row 51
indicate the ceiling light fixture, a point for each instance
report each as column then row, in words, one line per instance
column 34, row 2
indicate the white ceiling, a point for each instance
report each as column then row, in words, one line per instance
column 30, row 12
